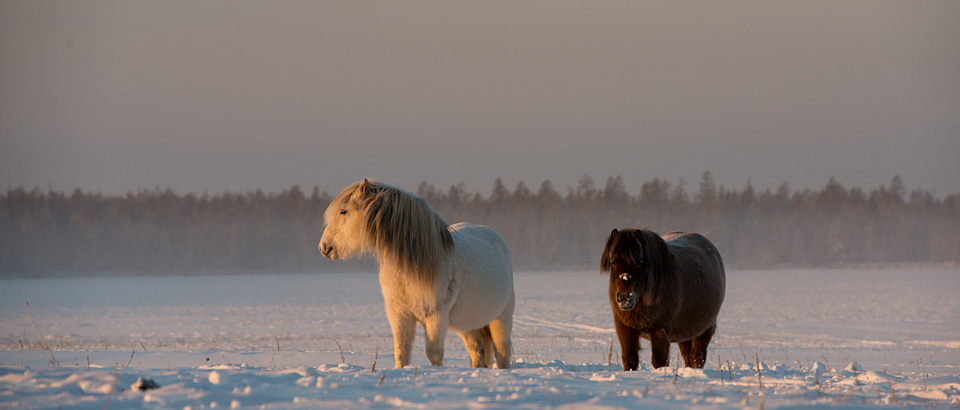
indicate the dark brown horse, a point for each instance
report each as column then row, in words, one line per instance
column 664, row 290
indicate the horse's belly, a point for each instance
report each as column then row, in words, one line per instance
column 689, row 330
column 484, row 276
column 692, row 322
column 474, row 313
column 483, row 296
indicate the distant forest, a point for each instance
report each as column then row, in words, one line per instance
column 48, row 233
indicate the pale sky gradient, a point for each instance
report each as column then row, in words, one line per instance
column 117, row 96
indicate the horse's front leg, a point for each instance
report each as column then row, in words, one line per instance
column 660, row 345
column 404, row 328
column 436, row 329
column 629, row 345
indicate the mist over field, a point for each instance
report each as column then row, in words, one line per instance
column 159, row 231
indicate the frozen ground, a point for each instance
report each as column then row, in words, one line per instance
column 827, row 339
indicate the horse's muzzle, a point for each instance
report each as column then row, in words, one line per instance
column 327, row 251
column 626, row 301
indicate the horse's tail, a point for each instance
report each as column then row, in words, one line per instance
column 488, row 346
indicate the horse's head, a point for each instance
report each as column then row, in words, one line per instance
column 403, row 230
column 344, row 235
column 632, row 276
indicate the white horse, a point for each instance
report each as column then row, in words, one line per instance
column 458, row 277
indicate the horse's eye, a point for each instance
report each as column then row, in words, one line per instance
column 343, row 212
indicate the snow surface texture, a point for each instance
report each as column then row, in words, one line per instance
column 824, row 339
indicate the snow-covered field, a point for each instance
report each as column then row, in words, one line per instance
column 830, row 339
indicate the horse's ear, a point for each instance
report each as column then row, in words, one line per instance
column 361, row 188
column 605, row 263
column 367, row 186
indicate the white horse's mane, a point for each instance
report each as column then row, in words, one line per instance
column 402, row 228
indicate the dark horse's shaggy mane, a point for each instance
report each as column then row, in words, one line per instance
column 643, row 248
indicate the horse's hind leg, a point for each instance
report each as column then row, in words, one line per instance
column 685, row 350
column 488, row 345
column 476, row 345
column 500, row 330
column 694, row 351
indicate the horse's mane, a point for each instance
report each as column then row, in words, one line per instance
column 401, row 227
column 641, row 247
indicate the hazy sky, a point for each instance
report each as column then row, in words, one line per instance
column 117, row 96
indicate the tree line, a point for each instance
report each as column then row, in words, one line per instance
column 50, row 233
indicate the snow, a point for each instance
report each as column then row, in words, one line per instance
column 824, row 339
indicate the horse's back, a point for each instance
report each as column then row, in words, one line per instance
column 694, row 247
column 479, row 243
column 483, row 232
